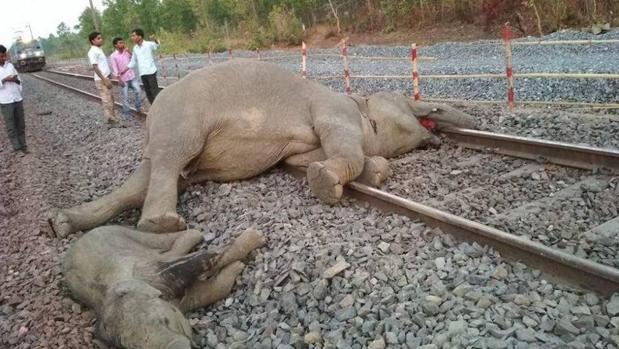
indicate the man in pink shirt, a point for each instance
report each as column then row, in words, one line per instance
column 126, row 77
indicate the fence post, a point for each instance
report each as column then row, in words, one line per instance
column 178, row 72
column 507, row 39
column 163, row 74
column 416, row 94
column 344, row 50
column 303, row 60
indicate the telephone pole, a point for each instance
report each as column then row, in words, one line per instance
column 94, row 17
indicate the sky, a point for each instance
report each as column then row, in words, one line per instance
column 43, row 16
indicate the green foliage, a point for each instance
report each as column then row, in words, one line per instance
column 285, row 26
column 215, row 25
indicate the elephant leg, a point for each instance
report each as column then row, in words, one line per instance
column 159, row 210
column 214, row 289
column 171, row 245
column 302, row 161
column 89, row 215
column 177, row 274
column 342, row 145
column 375, row 170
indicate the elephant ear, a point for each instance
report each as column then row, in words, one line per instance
column 362, row 103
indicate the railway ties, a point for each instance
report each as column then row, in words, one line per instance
column 558, row 265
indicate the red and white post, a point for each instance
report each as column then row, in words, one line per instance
column 344, row 51
column 416, row 94
column 178, row 72
column 229, row 53
column 303, row 60
column 163, row 74
column 509, row 71
column 258, row 53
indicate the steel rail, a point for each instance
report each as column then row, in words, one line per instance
column 556, row 265
column 565, row 154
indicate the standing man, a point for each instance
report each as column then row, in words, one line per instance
column 102, row 76
column 120, row 58
column 11, row 104
column 145, row 61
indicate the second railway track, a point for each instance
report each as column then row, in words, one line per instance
column 467, row 183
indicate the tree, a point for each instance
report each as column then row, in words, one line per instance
column 178, row 15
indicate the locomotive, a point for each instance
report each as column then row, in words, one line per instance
column 27, row 56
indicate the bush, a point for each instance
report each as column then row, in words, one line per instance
column 285, row 26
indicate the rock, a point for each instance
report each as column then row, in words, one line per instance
column 320, row 290
column 22, row 331
column 484, row 302
column 312, row 337
column 565, row 327
column 392, row 337
column 345, row 314
column 613, row 305
column 384, row 246
column 378, row 343
column 337, row 268
column 525, row 335
column 462, row 289
column 440, row 263
column 456, row 328
column 581, row 310
column 500, row 272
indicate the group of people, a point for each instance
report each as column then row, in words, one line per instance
column 122, row 62
column 121, row 65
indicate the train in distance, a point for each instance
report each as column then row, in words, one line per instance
column 27, row 56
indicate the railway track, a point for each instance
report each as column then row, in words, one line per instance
column 557, row 265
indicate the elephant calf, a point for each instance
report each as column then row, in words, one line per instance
column 236, row 120
column 140, row 284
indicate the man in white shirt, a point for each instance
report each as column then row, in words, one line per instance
column 102, row 76
column 11, row 104
column 144, row 59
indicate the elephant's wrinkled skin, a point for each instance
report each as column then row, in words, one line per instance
column 235, row 120
column 140, row 284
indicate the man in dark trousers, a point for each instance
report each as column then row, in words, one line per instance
column 144, row 59
column 11, row 104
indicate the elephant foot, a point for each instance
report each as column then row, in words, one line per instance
column 60, row 223
column 325, row 184
column 375, row 170
column 168, row 222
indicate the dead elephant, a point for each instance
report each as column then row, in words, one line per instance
column 140, row 284
column 236, row 120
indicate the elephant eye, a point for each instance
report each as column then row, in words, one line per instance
column 434, row 110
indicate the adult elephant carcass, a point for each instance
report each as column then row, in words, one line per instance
column 238, row 119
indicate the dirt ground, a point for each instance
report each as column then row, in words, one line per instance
column 34, row 312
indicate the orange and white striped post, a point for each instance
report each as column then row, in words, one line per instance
column 304, row 60
column 178, row 72
column 163, row 74
column 258, row 53
column 344, row 51
column 509, row 71
column 416, row 95
column 210, row 60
